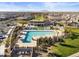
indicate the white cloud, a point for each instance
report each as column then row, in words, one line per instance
column 59, row 6
column 14, row 7
column 48, row 6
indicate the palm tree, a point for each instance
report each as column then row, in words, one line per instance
column 57, row 35
column 66, row 33
column 38, row 44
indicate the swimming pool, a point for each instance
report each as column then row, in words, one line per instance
column 30, row 34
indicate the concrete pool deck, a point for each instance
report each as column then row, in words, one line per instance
column 31, row 44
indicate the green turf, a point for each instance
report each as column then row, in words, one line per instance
column 70, row 46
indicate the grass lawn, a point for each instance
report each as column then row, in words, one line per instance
column 70, row 46
column 40, row 18
column 22, row 21
column 76, row 30
column 40, row 28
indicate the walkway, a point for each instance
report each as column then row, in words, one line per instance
column 75, row 55
column 2, row 50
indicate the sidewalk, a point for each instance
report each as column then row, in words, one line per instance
column 74, row 55
column 2, row 50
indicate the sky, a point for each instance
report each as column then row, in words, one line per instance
column 39, row 6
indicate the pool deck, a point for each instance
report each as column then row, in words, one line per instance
column 31, row 44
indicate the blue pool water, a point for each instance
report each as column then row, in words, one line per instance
column 30, row 34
